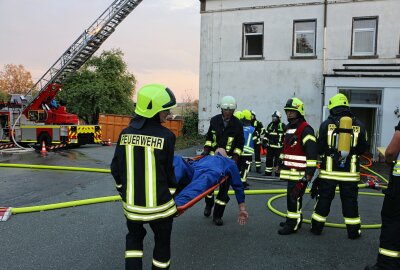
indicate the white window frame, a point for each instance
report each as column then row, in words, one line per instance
column 245, row 42
column 366, row 29
column 295, row 33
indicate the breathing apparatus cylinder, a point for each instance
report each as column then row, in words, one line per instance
column 345, row 128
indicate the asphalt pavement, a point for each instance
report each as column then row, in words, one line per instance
column 93, row 236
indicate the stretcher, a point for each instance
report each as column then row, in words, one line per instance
column 181, row 209
column 202, row 175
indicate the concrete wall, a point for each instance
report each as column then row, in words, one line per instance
column 265, row 85
column 260, row 85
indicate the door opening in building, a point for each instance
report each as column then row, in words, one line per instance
column 367, row 116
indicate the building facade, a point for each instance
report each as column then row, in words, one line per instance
column 264, row 52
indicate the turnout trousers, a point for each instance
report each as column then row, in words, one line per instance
column 348, row 196
column 246, row 165
column 389, row 247
column 294, row 216
column 162, row 248
column 271, row 160
column 257, row 155
column 221, row 200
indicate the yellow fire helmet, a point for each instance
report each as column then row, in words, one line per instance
column 154, row 98
column 238, row 115
column 295, row 104
column 338, row 100
column 246, row 115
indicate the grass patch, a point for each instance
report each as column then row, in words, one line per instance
column 187, row 141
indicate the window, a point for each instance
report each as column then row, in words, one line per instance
column 253, row 36
column 363, row 96
column 364, row 36
column 304, row 38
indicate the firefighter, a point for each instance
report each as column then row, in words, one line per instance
column 299, row 161
column 259, row 128
column 250, row 137
column 341, row 139
column 143, row 172
column 225, row 131
column 389, row 247
column 273, row 142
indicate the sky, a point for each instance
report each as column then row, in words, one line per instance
column 160, row 39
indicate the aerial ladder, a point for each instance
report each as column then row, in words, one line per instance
column 38, row 120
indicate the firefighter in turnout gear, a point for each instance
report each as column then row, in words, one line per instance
column 143, row 172
column 299, row 161
column 258, row 126
column 341, row 139
column 389, row 246
column 250, row 137
column 225, row 131
column 273, row 142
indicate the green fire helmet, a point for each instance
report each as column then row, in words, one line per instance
column 246, row 114
column 338, row 100
column 154, row 98
column 228, row 103
column 238, row 115
column 295, row 104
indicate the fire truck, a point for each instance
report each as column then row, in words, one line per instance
column 37, row 118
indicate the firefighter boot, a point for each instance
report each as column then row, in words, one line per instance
column 218, row 221
column 353, row 231
column 286, row 229
column 316, row 227
column 258, row 170
column 207, row 211
column 283, row 223
column 218, row 213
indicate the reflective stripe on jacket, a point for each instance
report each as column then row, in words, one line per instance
column 229, row 137
column 336, row 167
column 143, row 171
column 299, row 152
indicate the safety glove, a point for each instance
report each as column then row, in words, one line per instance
column 299, row 189
column 314, row 189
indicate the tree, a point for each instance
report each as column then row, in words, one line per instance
column 15, row 79
column 101, row 85
column 4, row 97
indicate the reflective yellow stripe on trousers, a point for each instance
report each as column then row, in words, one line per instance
column 161, row 264
column 389, row 253
column 134, row 254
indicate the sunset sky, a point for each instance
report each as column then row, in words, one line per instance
column 160, row 38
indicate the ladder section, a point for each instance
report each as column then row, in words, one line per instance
column 84, row 46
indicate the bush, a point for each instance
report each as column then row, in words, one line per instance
column 190, row 124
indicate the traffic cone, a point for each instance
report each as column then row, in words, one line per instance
column 43, row 151
column 109, row 142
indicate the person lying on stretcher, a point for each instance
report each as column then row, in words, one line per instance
column 194, row 177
